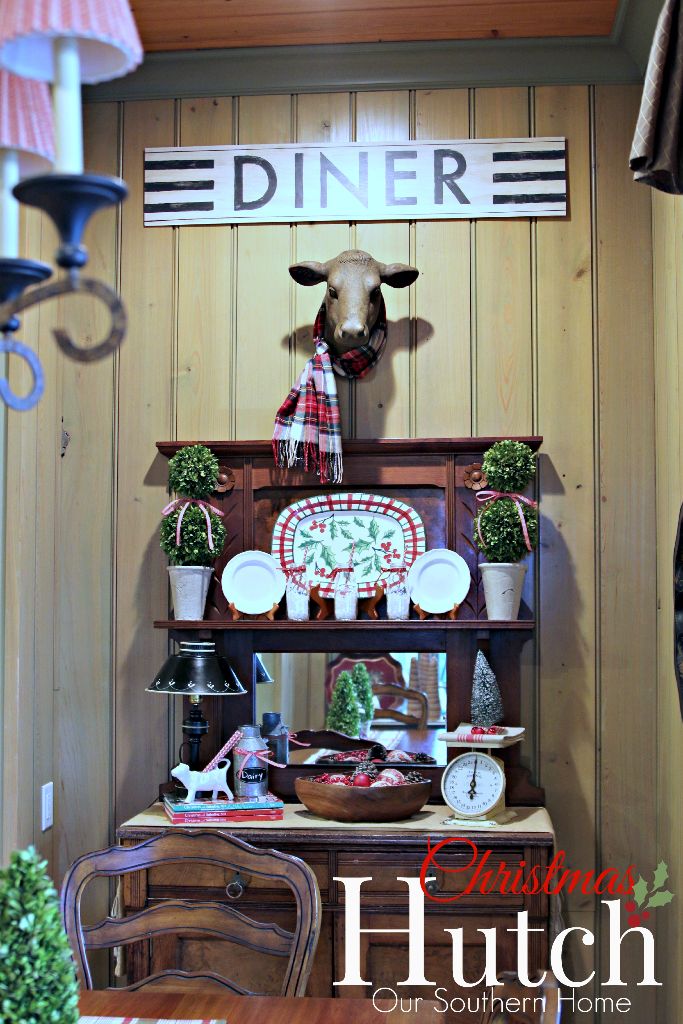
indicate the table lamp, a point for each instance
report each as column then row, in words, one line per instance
column 196, row 671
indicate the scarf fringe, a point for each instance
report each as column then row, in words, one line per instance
column 289, row 454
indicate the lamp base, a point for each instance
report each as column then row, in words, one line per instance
column 70, row 200
column 16, row 275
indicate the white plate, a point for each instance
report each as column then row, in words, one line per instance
column 438, row 580
column 253, row 582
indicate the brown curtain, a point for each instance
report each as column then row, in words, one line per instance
column 657, row 152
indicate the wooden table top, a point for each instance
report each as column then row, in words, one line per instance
column 248, row 1009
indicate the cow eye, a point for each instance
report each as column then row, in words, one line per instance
column 332, row 292
column 374, row 295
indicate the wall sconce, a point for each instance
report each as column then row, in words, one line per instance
column 196, row 671
column 67, row 43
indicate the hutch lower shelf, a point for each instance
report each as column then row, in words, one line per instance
column 382, row 853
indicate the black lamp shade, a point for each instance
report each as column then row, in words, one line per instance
column 261, row 673
column 197, row 669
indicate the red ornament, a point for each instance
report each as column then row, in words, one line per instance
column 362, row 780
column 477, row 730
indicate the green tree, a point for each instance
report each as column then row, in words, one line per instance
column 363, row 688
column 37, row 974
column 344, row 715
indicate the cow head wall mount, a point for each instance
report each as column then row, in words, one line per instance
column 353, row 294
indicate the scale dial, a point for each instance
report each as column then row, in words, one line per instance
column 473, row 784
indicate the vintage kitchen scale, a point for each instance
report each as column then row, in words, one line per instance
column 473, row 783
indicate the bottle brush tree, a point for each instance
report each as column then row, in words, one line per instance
column 37, row 974
column 343, row 715
column 363, row 688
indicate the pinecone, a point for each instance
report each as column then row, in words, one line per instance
column 365, row 768
column 377, row 752
column 420, row 758
column 414, row 777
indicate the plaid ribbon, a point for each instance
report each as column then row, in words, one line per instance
column 307, row 424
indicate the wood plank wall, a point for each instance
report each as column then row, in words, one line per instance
column 513, row 327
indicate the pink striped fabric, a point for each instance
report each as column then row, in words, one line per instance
column 26, row 122
column 109, row 42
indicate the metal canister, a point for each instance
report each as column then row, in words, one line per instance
column 276, row 735
column 251, row 772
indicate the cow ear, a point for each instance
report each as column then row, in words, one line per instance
column 397, row 275
column 309, row 273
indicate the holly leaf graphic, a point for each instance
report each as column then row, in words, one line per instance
column 373, row 529
column 327, row 556
column 362, row 545
column 660, row 899
column 640, row 891
column 661, row 875
column 305, row 534
column 359, row 522
column 310, row 557
column 333, row 530
column 346, row 534
column 388, row 534
column 378, row 563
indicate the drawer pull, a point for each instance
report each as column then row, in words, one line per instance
column 236, row 886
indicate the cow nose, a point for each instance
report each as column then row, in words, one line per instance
column 353, row 330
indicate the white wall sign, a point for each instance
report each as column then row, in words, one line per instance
column 397, row 181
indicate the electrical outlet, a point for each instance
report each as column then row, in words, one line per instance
column 46, row 815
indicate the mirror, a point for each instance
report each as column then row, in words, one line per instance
column 304, row 687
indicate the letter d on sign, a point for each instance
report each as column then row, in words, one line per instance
column 353, row 932
column 240, row 202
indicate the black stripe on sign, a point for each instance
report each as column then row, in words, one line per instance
column 178, row 186
column 548, row 197
column 529, row 154
column 176, row 165
column 175, row 207
column 531, row 176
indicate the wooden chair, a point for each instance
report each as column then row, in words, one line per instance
column 538, row 1005
column 418, row 721
column 196, row 919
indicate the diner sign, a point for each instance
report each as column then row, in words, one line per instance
column 355, row 182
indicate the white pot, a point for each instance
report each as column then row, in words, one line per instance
column 189, row 587
column 503, row 582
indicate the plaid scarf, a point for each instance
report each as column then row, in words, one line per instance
column 307, row 424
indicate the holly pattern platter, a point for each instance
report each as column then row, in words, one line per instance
column 321, row 531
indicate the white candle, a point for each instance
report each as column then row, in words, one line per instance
column 66, row 105
column 9, row 207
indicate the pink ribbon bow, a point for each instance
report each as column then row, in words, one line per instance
column 186, row 502
column 262, row 756
column 517, row 499
column 299, row 743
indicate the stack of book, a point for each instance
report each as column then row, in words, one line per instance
column 217, row 812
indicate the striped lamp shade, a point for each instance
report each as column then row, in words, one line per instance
column 109, row 44
column 26, row 122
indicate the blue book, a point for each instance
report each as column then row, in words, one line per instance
column 180, row 807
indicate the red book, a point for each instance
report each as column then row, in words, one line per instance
column 222, row 817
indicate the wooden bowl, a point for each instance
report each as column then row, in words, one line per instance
column 356, row 803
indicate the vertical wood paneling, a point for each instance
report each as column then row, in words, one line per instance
column 442, row 382
column 668, row 296
column 263, row 333
column 83, row 645
column 320, row 118
column 21, row 628
column 205, row 386
column 627, row 508
column 148, row 275
column 567, row 640
column 503, row 380
column 383, row 397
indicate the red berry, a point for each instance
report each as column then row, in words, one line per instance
column 645, row 914
column 630, row 907
column 634, row 921
column 362, row 780
column 477, row 730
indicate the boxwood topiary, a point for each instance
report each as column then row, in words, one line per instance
column 193, row 472
column 37, row 974
column 501, row 529
column 194, row 542
column 343, row 715
column 509, row 466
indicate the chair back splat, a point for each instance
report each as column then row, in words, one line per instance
column 196, row 919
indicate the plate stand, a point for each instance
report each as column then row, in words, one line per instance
column 452, row 614
column 366, row 604
column 266, row 616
